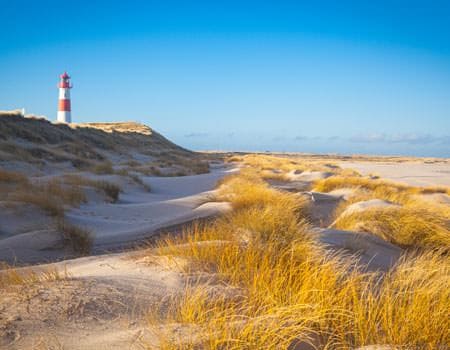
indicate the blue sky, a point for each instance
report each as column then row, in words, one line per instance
column 322, row 76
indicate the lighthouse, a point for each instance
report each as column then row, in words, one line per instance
column 64, row 99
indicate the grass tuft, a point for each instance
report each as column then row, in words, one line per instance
column 110, row 189
column 382, row 189
column 50, row 196
column 51, row 205
column 137, row 179
column 103, row 168
column 409, row 226
column 79, row 239
column 12, row 177
column 11, row 276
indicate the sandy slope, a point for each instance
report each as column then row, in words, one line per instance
column 102, row 305
column 411, row 173
column 137, row 215
column 371, row 252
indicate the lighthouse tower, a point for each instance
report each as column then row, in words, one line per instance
column 64, row 99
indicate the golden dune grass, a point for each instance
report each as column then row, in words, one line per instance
column 10, row 276
column 287, row 289
column 269, row 162
column 382, row 189
column 316, row 302
column 408, row 226
column 248, row 189
column 110, row 189
column 103, row 168
column 416, row 223
column 77, row 238
column 277, row 167
column 7, row 177
column 51, row 196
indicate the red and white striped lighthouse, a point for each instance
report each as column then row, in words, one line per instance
column 64, row 99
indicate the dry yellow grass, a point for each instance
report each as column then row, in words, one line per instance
column 137, row 179
column 54, row 194
column 269, row 162
column 77, row 238
column 66, row 193
column 316, row 302
column 248, row 189
column 51, row 196
column 415, row 223
column 117, row 127
column 286, row 289
column 12, row 177
column 278, row 167
column 103, row 168
column 411, row 304
column 408, row 226
column 10, row 276
column 382, row 189
column 110, row 189
column 81, row 144
column 171, row 165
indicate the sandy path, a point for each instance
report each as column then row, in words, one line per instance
column 414, row 174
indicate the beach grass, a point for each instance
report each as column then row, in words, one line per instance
column 77, row 238
column 13, row 276
column 287, row 290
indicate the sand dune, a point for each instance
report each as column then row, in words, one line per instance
column 137, row 215
column 101, row 306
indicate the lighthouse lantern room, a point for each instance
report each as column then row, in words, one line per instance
column 64, row 115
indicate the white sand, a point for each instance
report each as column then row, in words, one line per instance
column 410, row 173
column 101, row 306
column 374, row 253
column 307, row 176
column 369, row 204
column 138, row 214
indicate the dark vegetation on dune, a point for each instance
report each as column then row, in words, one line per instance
column 86, row 146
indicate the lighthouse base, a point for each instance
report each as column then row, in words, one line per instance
column 64, row 117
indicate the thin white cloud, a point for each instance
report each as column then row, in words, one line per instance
column 333, row 138
column 196, row 135
column 409, row 138
column 368, row 138
column 306, row 138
